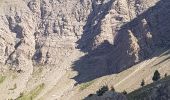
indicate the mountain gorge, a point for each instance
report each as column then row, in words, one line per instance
column 62, row 45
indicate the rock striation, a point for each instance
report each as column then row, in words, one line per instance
column 107, row 36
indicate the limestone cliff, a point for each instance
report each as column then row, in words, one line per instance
column 92, row 37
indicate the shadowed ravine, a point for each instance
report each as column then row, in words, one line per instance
column 93, row 25
column 108, row 59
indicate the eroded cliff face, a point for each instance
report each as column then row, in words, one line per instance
column 115, row 34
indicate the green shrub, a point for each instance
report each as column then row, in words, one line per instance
column 101, row 91
column 32, row 94
column 2, row 78
column 124, row 92
column 112, row 89
column 85, row 85
column 142, row 83
column 156, row 76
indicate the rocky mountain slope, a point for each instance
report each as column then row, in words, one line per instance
column 59, row 45
column 155, row 91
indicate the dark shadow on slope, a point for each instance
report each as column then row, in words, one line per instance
column 106, row 95
column 108, row 59
column 166, row 53
column 158, row 90
column 87, row 66
column 93, row 25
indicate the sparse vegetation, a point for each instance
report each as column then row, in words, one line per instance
column 112, row 89
column 32, row 94
column 124, row 92
column 165, row 75
column 143, row 82
column 101, row 91
column 2, row 78
column 146, row 91
column 156, row 76
column 85, row 85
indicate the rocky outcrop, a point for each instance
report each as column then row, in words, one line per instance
column 134, row 33
column 90, row 23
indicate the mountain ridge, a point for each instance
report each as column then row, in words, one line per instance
column 63, row 44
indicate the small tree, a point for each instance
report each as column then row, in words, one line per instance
column 166, row 75
column 142, row 83
column 112, row 89
column 124, row 92
column 156, row 76
column 101, row 91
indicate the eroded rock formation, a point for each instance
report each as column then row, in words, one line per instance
column 115, row 34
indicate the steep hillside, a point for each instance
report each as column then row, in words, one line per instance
column 155, row 91
column 130, row 79
column 66, row 49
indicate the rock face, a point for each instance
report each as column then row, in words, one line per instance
column 115, row 34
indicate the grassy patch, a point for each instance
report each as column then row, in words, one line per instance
column 2, row 78
column 32, row 94
column 85, row 85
